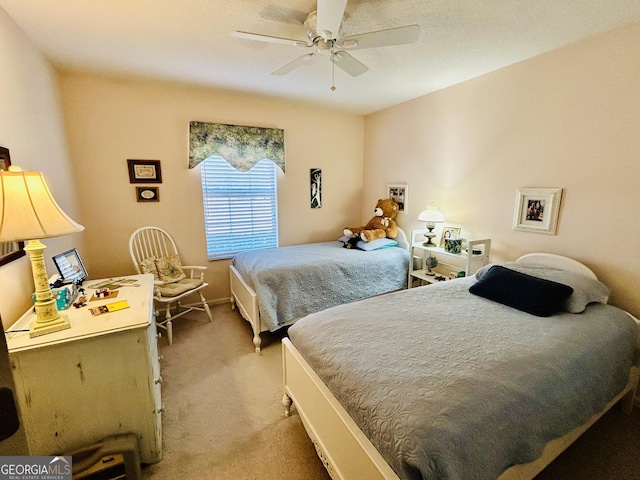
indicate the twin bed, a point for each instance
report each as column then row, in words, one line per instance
column 438, row 382
column 274, row 287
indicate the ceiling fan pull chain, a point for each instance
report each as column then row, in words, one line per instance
column 333, row 72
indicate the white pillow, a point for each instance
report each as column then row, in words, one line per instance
column 376, row 244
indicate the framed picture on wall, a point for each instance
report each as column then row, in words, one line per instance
column 537, row 210
column 144, row 171
column 399, row 194
column 316, row 187
column 5, row 159
column 147, row 194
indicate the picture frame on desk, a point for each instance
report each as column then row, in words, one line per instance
column 70, row 266
column 449, row 231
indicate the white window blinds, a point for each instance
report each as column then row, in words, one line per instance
column 240, row 208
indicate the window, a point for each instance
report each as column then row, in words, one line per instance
column 240, row 208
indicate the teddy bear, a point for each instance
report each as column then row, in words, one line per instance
column 381, row 225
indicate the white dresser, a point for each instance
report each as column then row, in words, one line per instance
column 101, row 377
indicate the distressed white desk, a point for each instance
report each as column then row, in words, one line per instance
column 100, row 377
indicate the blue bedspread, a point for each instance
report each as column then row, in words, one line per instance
column 452, row 386
column 291, row 282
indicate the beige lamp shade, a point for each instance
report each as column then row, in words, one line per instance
column 28, row 210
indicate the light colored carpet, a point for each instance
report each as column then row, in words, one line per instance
column 224, row 418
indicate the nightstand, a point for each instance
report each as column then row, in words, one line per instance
column 449, row 264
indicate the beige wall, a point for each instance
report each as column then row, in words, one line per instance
column 111, row 120
column 31, row 127
column 565, row 119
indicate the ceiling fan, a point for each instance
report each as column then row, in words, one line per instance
column 325, row 39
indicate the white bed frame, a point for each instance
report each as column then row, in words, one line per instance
column 349, row 455
column 246, row 299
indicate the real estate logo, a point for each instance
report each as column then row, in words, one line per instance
column 35, row 468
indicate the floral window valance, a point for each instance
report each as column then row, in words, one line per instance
column 242, row 147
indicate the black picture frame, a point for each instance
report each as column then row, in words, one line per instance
column 70, row 266
column 147, row 194
column 5, row 158
column 17, row 249
column 144, row 171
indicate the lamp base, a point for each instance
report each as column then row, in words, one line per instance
column 37, row 328
column 429, row 236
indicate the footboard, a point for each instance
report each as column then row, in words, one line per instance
column 246, row 299
column 345, row 451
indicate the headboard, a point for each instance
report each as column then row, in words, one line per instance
column 402, row 239
column 557, row 261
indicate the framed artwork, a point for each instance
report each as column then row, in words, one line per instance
column 537, row 210
column 5, row 158
column 9, row 251
column 148, row 194
column 449, row 232
column 316, row 187
column 399, row 194
column 144, row 171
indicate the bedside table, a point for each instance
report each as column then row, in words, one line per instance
column 448, row 263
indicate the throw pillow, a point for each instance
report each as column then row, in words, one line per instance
column 533, row 295
column 170, row 269
column 148, row 265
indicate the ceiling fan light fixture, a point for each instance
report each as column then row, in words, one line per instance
column 327, row 19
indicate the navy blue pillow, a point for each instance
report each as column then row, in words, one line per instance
column 533, row 295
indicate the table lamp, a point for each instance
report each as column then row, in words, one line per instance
column 431, row 216
column 28, row 212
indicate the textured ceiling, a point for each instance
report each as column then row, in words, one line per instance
column 190, row 41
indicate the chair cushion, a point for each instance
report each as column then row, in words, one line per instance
column 170, row 269
column 178, row 288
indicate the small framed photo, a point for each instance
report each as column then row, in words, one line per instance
column 399, row 194
column 144, row 171
column 147, row 194
column 449, row 232
column 537, row 210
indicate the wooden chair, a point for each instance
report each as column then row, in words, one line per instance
column 153, row 251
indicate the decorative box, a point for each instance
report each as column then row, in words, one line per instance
column 64, row 296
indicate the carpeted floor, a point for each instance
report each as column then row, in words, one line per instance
column 223, row 417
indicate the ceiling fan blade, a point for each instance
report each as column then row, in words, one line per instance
column 269, row 39
column 298, row 62
column 382, row 38
column 349, row 64
column 330, row 14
